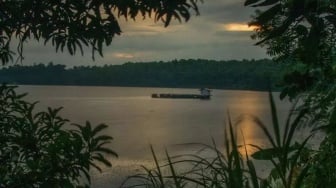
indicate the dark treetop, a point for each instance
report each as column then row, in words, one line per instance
column 233, row 74
column 70, row 25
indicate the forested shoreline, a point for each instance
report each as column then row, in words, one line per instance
column 232, row 74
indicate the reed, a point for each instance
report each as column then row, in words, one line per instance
column 228, row 167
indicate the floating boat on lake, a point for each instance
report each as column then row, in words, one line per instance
column 205, row 94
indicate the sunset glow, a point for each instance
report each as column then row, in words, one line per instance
column 123, row 55
column 218, row 33
column 238, row 27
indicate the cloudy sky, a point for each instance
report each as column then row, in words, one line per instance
column 219, row 33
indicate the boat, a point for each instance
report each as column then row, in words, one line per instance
column 205, row 94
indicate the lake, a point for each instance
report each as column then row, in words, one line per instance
column 136, row 120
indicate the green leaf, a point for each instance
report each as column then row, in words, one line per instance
column 275, row 121
column 278, row 31
column 98, row 129
column 275, row 152
column 266, row 3
column 160, row 175
column 266, row 16
column 267, row 154
column 250, row 2
column 103, row 138
column 172, row 170
column 253, row 173
column 106, row 151
column 331, row 19
column 301, row 30
column 101, row 159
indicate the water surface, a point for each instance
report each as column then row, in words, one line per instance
column 136, row 120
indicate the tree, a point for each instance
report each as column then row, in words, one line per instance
column 302, row 33
column 70, row 25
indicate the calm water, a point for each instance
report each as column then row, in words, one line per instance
column 136, row 120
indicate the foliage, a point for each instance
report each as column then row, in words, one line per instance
column 224, row 169
column 297, row 30
column 194, row 73
column 323, row 168
column 285, row 153
column 39, row 149
column 323, row 165
column 73, row 24
column 301, row 33
column 229, row 168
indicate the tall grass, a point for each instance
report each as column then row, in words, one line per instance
column 231, row 168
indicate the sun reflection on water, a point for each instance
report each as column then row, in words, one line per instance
column 243, row 107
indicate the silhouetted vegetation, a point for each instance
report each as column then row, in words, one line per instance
column 35, row 148
column 72, row 25
column 232, row 167
column 302, row 34
column 41, row 149
column 245, row 74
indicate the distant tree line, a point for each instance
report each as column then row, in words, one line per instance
column 191, row 73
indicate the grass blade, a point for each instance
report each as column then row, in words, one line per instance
column 275, row 121
column 160, row 176
column 172, row 170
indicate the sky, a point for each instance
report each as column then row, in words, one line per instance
column 220, row 32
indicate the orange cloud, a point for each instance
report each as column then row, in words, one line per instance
column 238, row 27
column 123, row 55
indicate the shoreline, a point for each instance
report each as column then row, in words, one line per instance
column 160, row 87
